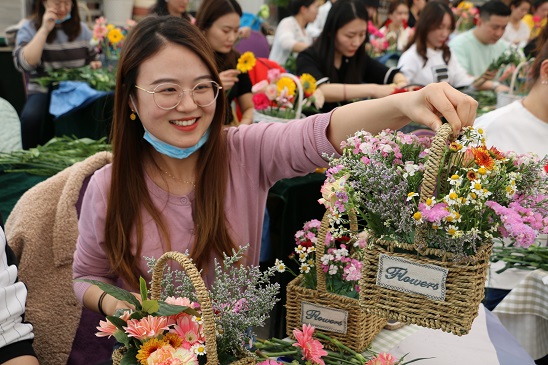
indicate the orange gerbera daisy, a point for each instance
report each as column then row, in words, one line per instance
column 173, row 339
column 483, row 158
column 495, row 153
column 147, row 349
column 471, row 175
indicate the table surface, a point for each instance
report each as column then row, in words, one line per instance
column 524, row 312
column 488, row 343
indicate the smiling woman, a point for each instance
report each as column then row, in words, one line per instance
column 180, row 180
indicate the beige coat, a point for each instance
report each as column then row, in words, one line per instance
column 42, row 229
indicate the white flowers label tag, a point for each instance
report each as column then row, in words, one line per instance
column 325, row 318
column 403, row 275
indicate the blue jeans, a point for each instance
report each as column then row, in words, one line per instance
column 36, row 122
column 493, row 297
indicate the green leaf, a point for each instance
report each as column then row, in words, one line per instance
column 118, row 322
column 129, row 357
column 150, row 306
column 116, row 292
column 122, row 337
column 143, row 287
column 171, row 309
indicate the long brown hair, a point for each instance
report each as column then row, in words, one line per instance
column 207, row 14
column 431, row 18
column 128, row 191
column 542, row 54
column 71, row 27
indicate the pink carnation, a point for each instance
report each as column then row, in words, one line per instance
column 260, row 101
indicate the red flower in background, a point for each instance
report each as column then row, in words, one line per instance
column 260, row 101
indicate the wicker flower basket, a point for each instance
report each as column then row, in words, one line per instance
column 337, row 316
column 414, row 284
column 205, row 306
column 260, row 117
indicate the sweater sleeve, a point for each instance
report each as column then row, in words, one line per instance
column 90, row 259
column 24, row 36
column 274, row 151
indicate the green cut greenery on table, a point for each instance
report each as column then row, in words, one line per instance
column 101, row 79
column 56, row 155
column 531, row 258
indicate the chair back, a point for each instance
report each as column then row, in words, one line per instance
column 256, row 43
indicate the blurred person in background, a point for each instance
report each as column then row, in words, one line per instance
column 316, row 27
column 517, row 32
column 538, row 17
column 339, row 56
column 172, row 7
column 476, row 48
column 291, row 35
column 53, row 38
column 415, row 7
column 219, row 21
column 395, row 29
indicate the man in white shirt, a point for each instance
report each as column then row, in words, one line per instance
column 477, row 48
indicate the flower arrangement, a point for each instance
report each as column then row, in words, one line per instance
column 171, row 330
column 108, row 39
column 342, row 270
column 481, row 193
column 277, row 96
column 156, row 330
column 466, row 16
column 241, row 297
column 307, row 350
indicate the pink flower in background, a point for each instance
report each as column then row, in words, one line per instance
column 167, row 355
column 260, row 86
column 269, row 362
column 147, row 327
column 271, row 91
column 312, row 349
column 382, row 359
column 260, row 101
column 273, row 74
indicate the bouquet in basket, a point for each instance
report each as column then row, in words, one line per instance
column 466, row 15
column 479, row 193
column 175, row 327
column 342, row 270
column 108, row 38
column 278, row 96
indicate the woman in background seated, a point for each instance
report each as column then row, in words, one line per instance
column 521, row 126
column 415, row 7
column 219, row 21
column 517, row 32
column 291, row 36
column 52, row 38
column 172, row 7
column 395, row 30
column 339, row 55
column 428, row 57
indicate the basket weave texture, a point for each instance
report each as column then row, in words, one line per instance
column 205, row 306
column 464, row 283
column 361, row 326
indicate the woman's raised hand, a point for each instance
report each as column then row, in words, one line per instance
column 427, row 105
column 49, row 18
column 229, row 78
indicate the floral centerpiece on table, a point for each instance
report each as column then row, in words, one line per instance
column 466, row 16
column 241, row 298
column 342, row 270
column 481, row 192
column 108, row 38
column 278, row 95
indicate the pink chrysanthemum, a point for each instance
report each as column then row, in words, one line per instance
column 147, row 327
column 312, row 349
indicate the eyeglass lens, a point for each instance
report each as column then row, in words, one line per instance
column 168, row 96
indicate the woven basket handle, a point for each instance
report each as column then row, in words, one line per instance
column 515, row 76
column 320, row 247
column 201, row 293
column 300, row 96
column 430, row 178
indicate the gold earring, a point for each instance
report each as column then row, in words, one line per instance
column 132, row 116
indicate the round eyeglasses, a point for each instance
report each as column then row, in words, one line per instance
column 167, row 96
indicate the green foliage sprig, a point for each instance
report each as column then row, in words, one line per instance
column 102, row 79
column 530, row 258
column 53, row 157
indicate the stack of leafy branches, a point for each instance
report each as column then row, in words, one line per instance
column 56, row 155
column 530, row 258
column 102, row 79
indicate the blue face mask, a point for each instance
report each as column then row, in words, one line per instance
column 59, row 21
column 172, row 151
